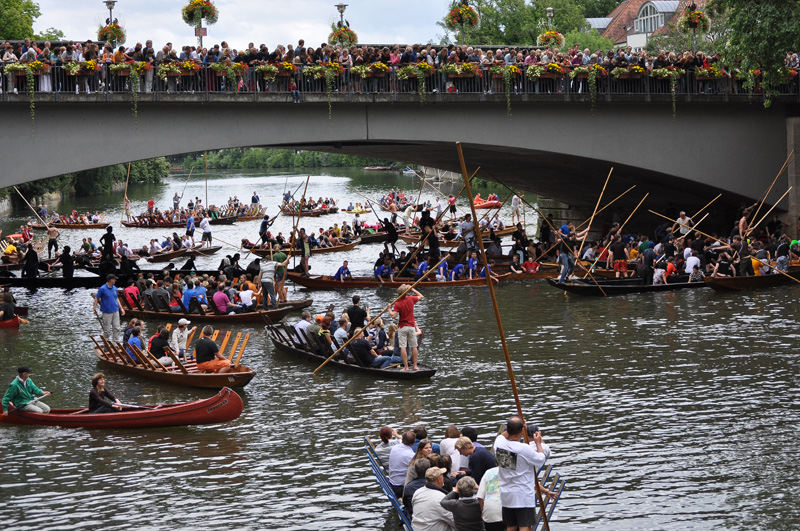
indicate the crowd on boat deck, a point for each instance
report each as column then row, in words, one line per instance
column 678, row 248
column 153, row 216
column 74, row 218
column 460, row 484
column 288, row 203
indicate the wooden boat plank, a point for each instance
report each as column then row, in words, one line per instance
column 752, row 282
column 582, row 288
column 327, row 282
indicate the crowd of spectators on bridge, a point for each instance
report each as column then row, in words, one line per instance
column 302, row 56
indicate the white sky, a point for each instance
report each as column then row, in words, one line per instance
column 244, row 21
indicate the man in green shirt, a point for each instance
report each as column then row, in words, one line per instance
column 23, row 394
column 280, row 275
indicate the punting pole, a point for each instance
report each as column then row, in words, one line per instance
column 429, row 184
column 127, row 180
column 770, row 189
column 618, row 232
column 414, row 285
column 705, row 207
column 185, row 184
column 723, row 243
column 490, row 284
column 34, row 210
column 296, row 223
column 205, row 159
column 419, row 197
column 594, row 212
column 754, row 225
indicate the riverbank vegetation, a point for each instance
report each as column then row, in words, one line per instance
column 264, row 158
column 94, row 182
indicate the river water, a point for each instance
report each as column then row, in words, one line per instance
column 667, row 411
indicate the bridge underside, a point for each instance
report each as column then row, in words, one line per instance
column 558, row 149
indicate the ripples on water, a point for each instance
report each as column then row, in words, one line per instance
column 673, row 411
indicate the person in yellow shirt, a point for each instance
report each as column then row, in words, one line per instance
column 10, row 249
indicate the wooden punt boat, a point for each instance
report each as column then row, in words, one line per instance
column 17, row 266
column 203, row 251
column 488, row 204
column 10, row 323
column 137, row 225
column 286, row 340
column 209, row 316
column 222, row 407
column 183, row 373
column 589, row 288
column 327, row 282
column 752, row 282
column 357, row 211
column 302, row 213
column 374, row 237
column 39, row 226
column 167, row 256
column 414, row 237
column 317, row 250
column 223, row 220
column 296, row 305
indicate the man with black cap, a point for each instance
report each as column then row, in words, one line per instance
column 106, row 298
column 24, row 394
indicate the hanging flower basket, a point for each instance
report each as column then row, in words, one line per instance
column 461, row 14
column 550, row 38
column 346, row 36
column 110, row 33
column 196, row 10
column 379, row 69
column 693, row 20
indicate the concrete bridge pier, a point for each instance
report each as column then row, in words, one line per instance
column 793, row 170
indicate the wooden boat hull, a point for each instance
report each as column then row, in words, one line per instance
column 488, row 204
column 591, row 289
column 319, row 250
column 166, row 257
column 375, row 237
column 223, row 220
column 134, row 225
column 39, row 226
column 53, row 282
column 222, row 407
column 296, row 305
column 215, row 380
column 754, row 282
column 248, row 317
column 203, row 251
column 10, row 323
column 327, row 282
column 303, row 213
column 282, row 343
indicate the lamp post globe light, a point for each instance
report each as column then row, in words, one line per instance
column 341, row 6
column 549, row 12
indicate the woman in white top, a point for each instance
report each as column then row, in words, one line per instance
column 448, row 446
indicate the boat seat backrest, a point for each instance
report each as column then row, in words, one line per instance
column 194, row 304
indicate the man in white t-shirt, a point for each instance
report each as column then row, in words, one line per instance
column 467, row 229
column 692, row 261
column 205, row 224
column 518, row 464
column 684, row 224
column 515, row 202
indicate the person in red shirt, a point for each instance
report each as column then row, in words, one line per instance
column 406, row 326
column 151, row 205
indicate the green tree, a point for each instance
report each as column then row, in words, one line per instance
column 16, row 18
column 760, row 36
column 675, row 40
column 597, row 8
column 591, row 40
column 50, row 34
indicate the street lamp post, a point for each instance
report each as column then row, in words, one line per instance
column 110, row 20
column 341, row 6
column 465, row 4
column 549, row 12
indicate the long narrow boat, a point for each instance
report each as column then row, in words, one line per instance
column 414, row 237
column 302, row 213
column 203, row 251
column 752, row 282
column 589, row 288
column 317, row 250
column 17, row 266
column 374, row 237
column 209, row 317
column 327, row 282
column 285, row 339
column 488, row 204
column 138, row 225
column 167, row 256
column 183, row 373
column 222, row 407
column 39, row 226
column 10, row 323
column 223, row 220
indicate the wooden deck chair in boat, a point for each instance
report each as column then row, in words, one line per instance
column 151, row 360
column 120, row 352
column 175, row 359
column 181, row 306
column 141, row 357
column 348, row 354
column 123, row 300
column 109, row 353
column 151, row 300
column 241, row 350
column 195, row 304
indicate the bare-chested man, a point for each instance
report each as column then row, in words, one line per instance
column 52, row 240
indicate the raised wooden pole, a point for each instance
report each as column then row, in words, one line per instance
column 594, row 212
column 500, row 330
column 127, row 180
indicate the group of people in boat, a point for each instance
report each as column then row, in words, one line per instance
column 460, row 484
column 75, row 218
column 289, row 204
column 478, row 200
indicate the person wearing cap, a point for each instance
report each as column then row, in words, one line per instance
column 466, row 509
column 180, row 337
column 406, row 326
column 429, row 515
column 519, row 464
column 22, row 392
column 207, row 354
column 106, row 299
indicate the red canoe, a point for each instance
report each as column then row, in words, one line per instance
column 10, row 323
column 222, row 407
column 489, row 204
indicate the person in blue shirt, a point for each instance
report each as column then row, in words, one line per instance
column 457, row 272
column 134, row 340
column 106, row 299
column 491, row 272
column 442, row 273
column 201, row 294
column 384, row 271
column 472, row 265
column 264, row 228
column 190, row 227
column 188, row 294
column 176, row 201
column 255, row 200
column 343, row 273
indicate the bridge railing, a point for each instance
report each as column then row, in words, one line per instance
column 295, row 85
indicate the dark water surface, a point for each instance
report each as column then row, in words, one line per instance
column 673, row 411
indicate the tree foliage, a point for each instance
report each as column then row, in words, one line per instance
column 16, row 18
column 50, row 34
column 597, row 8
column 591, row 40
column 675, row 40
column 263, row 158
column 761, row 34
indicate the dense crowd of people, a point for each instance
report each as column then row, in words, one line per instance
column 297, row 57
